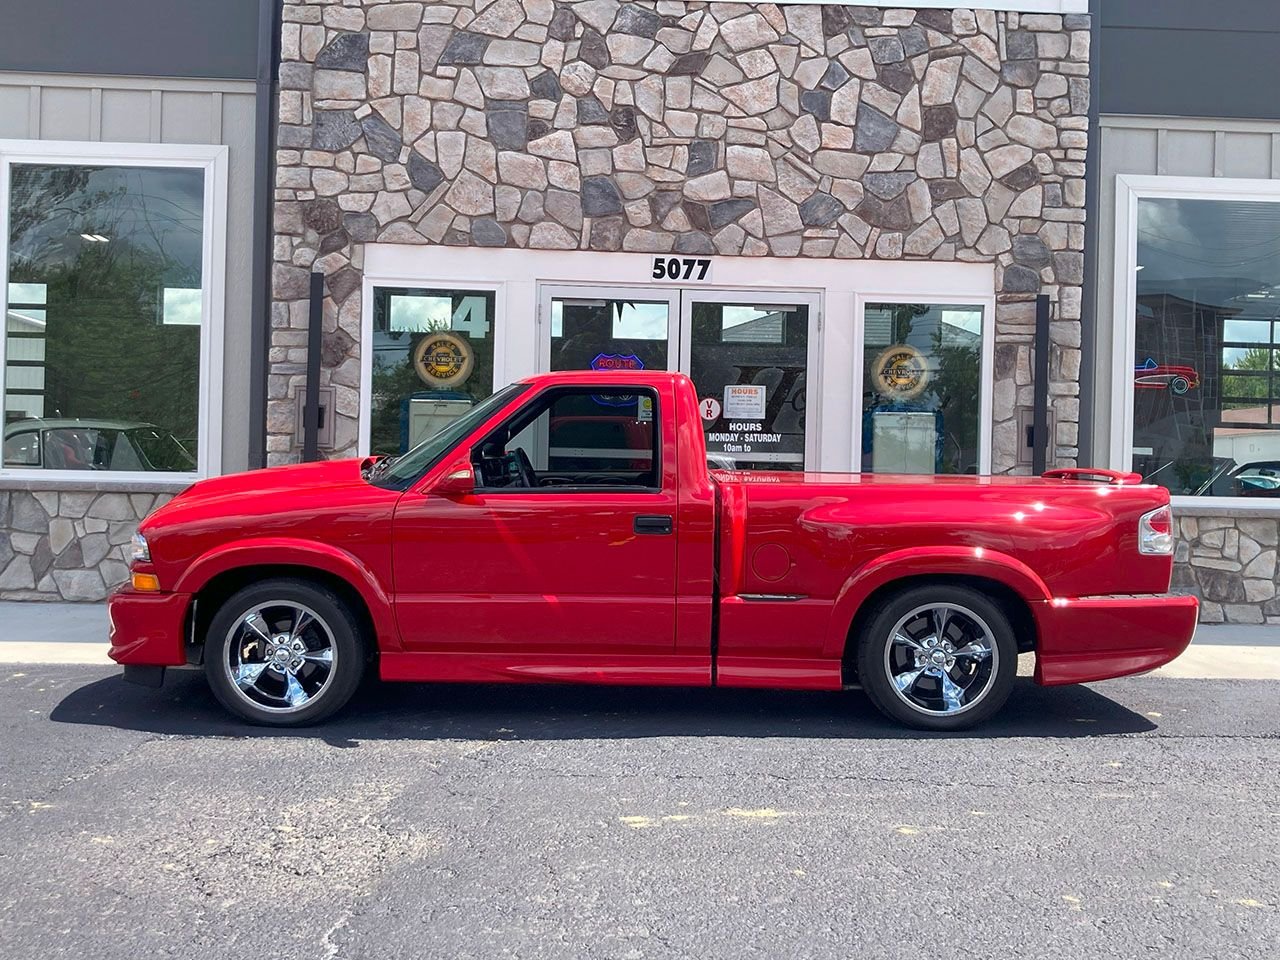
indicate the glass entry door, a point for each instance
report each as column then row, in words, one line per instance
column 748, row 353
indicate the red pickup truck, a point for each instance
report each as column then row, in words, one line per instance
column 521, row 545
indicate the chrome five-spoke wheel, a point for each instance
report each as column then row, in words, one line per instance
column 941, row 659
column 939, row 656
column 280, row 656
column 285, row 652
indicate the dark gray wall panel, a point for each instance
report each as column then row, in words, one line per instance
column 214, row 39
column 1192, row 14
column 1188, row 58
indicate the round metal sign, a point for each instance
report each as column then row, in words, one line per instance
column 901, row 372
column 443, row 360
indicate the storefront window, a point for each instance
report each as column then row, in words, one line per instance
column 922, row 379
column 104, row 309
column 1206, row 368
column 432, row 360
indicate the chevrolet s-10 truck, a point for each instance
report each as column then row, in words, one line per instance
column 568, row 529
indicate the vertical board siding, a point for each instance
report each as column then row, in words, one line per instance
column 126, row 116
column 109, row 110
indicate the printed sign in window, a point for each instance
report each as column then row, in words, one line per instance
column 744, row 402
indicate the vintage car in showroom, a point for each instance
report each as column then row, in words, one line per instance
column 519, row 545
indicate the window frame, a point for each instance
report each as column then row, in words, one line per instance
column 212, row 161
column 373, row 282
column 545, row 399
column 986, row 375
column 1130, row 190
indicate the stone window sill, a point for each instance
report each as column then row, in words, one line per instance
column 92, row 485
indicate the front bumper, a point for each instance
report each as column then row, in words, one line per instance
column 1100, row 638
column 147, row 629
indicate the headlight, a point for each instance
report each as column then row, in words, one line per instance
column 139, row 550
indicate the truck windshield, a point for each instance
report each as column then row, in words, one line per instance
column 399, row 473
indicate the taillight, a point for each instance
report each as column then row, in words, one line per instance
column 1155, row 532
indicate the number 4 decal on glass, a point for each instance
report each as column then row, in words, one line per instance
column 471, row 318
column 681, row 268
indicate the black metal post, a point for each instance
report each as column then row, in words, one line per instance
column 311, row 405
column 1040, row 439
column 263, row 203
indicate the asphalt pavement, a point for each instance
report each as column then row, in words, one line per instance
column 1128, row 819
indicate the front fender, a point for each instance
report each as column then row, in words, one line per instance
column 930, row 561
column 287, row 551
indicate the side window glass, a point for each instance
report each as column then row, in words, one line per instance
column 70, row 449
column 22, row 449
column 576, row 439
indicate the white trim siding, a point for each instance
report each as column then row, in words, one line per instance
column 838, row 285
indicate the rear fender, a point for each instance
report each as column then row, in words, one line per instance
column 283, row 551
column 924, row 562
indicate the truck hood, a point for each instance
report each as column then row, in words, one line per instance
column 277, row 480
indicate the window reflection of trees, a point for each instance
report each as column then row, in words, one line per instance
column 109, row 353
column 953, row 355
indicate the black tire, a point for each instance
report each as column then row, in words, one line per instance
column 878, row 654
column 230, row 641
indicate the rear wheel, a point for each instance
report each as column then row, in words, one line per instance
column 284, row 653
column 938, row 657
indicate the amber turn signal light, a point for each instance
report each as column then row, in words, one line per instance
column 146, row 582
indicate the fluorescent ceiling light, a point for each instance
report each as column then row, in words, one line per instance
column 94, row 238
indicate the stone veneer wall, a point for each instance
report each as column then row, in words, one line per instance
column 736, row 129
column 1229, row 562
column 68, row 544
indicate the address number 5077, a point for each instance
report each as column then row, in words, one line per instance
column 681, row 268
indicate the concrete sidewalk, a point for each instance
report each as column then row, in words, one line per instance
column 37, row 632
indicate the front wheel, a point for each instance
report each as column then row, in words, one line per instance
column 284, row 653
column 938, row 657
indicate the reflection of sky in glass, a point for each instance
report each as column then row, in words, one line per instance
column 26, row 293
column 641, row 321
column 157, row 213
column 960, row 324
column 968, row 320
column 182, row 306
column 734, row 316
column 1215, row 252
column 636, row 321
column 419, row 314
column 1246, row 331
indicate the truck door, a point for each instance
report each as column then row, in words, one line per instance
column 567, row 543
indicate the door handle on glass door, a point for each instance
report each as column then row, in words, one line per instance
column 658, row 525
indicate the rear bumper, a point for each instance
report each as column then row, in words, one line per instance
column 147, row 629
column 1100, row 638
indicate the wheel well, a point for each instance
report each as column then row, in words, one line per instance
column 219, row 589
column 1014, row 607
